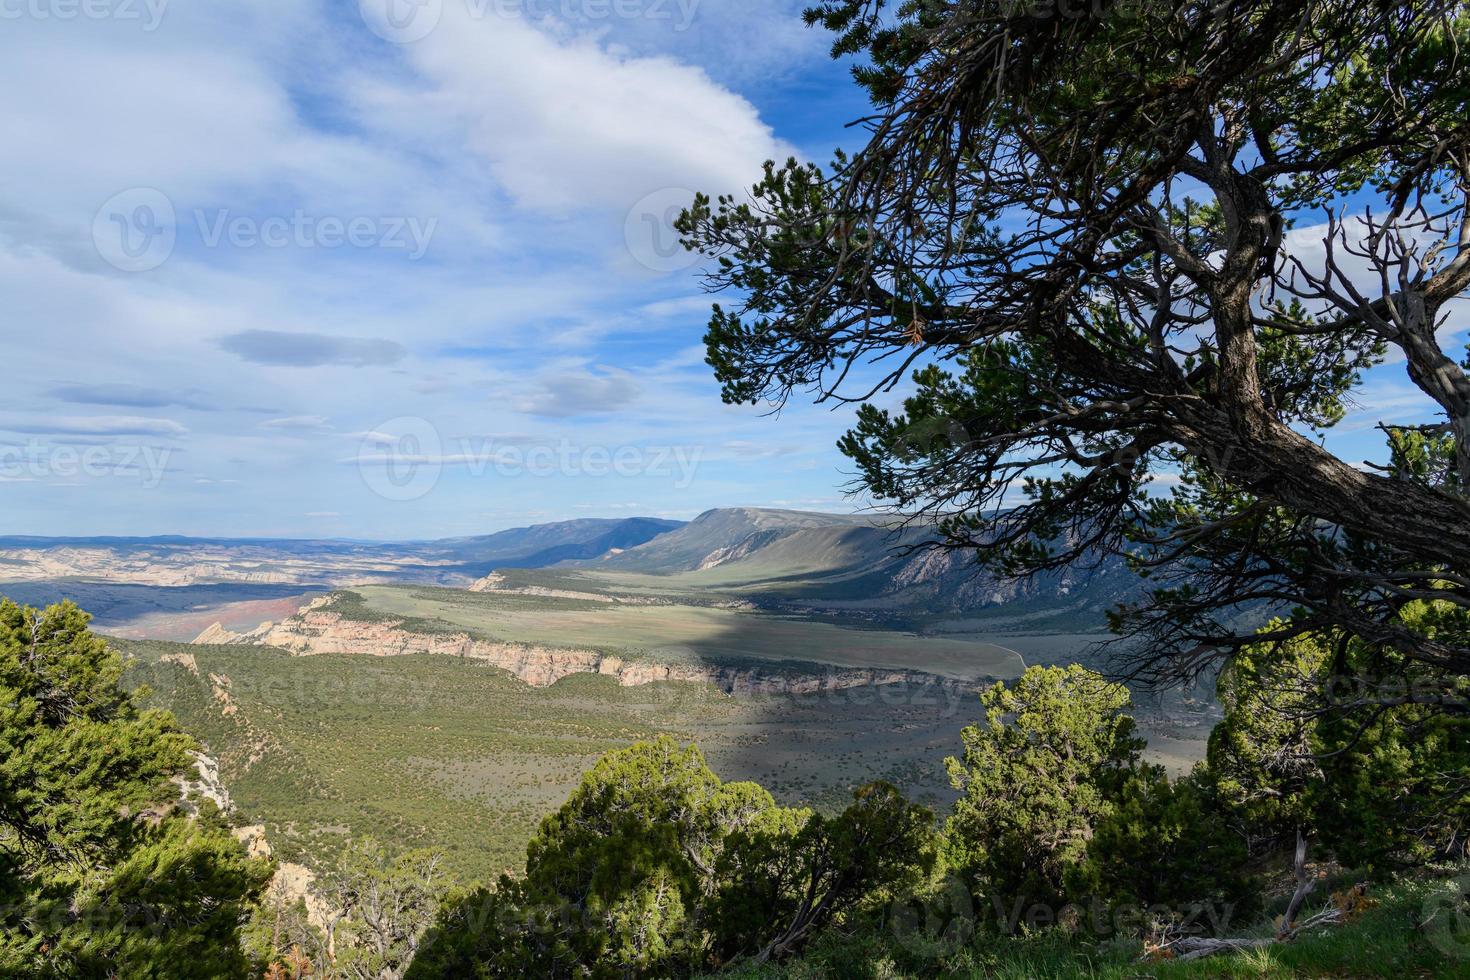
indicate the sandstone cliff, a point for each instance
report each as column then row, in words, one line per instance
column 317, row 630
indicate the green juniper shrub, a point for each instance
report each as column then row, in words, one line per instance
column 779, row 889
column 654, row 867
column 1323, row 734
column 617, row 879
column 1166, row 845
column 1260, row 760
column 102, row 871
column 1058, row 809
column 280, row 939
column 1047, row 765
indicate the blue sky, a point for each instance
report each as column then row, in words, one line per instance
column 503, row 306
column 284, row 267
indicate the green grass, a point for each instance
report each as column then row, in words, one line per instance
column 1390, row 940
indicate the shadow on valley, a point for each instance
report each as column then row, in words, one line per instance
column 440, row 751
column 166, row 612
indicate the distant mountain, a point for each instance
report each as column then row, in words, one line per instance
column 865, row 563
column 865, row 566
column 547, row 544
column 182, row 561
column 718, row 533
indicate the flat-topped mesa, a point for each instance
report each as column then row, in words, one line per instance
column 322, row 631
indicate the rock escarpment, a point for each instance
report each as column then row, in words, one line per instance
column 318, row 630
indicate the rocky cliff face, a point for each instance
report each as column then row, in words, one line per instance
column 317, row 630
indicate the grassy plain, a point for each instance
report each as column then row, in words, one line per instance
column 685, row 631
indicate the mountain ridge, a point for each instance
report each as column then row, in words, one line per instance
column 863, row 563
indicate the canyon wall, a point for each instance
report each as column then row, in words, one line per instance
column 316, row 630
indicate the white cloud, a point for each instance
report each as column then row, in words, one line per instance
column 298, row 423
column 565, row 123
column 697, row 307
column 748, row 448
column 94, row 425
column 281, row 348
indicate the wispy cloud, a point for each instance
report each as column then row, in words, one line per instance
column 93, row 425
column 299, row 423
column 575, row 393
column 127, row 396
column 278, row 348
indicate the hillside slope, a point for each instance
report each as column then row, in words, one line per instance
column 546, row 544
column 862, row 564
column 695, row 544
